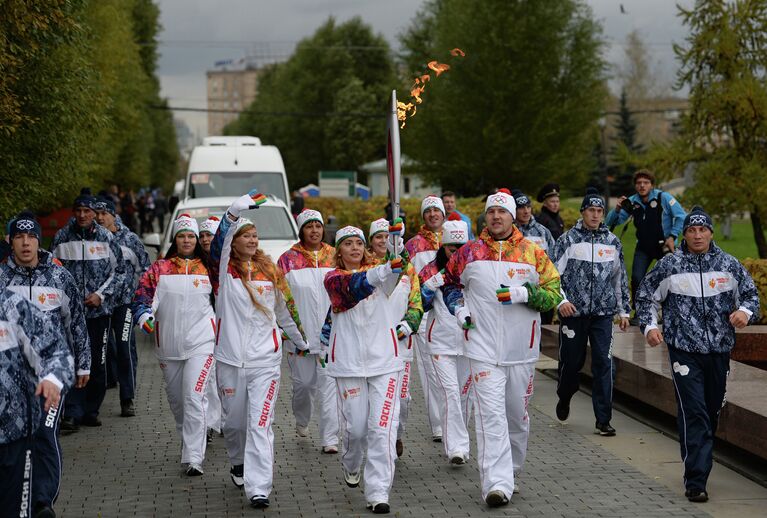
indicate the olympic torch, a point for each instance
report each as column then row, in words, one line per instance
column 393, row 170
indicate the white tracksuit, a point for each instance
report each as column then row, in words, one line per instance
column 364, row 360
column 445, row 343
column 305, row 271
column 504, row 347
column 248, row 352
column 178, row 292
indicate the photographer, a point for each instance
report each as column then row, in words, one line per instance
column 658, row 218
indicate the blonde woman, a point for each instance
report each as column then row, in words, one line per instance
column 253, row 302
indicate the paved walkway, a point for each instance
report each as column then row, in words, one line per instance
column 130, row 467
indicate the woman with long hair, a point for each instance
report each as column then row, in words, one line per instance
column 173, row 301
column 364, row 359
column 407, row 312
column 305, row 266
column 253, row 302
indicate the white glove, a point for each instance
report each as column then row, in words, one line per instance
column 518, row 295
column 395, row 251
column 461, row 314
column 380, row 274
column 403, row 330
column 435, row 281
column 146, row 322
column 303, row 346
column 247, row 201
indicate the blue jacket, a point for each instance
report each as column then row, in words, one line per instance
column 51, row 288
column 673, row 213
column 135, row 262
column 31, row 349
column 697, row 293
column 94, row 259
column 590, row 263
column 538, row 234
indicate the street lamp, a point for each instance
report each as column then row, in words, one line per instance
column 603, row 161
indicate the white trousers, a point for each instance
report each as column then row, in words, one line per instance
column 429, row 390
column 455, row 438
column 248, row 399
column 214, row 402
column 464, row 380
column 185, row 384
column 501, row 395
column 404, row 401
column 369, row 412
column 311, row 384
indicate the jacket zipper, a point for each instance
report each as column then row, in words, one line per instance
column 29, row 276
column 500, row 307
column 591, row 284
column 703, row 300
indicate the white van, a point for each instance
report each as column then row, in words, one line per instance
column 230, row 166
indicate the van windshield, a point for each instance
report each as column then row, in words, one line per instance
column 208, row 185
column 271, row 222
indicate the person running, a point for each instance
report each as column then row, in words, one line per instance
column 305, row 266
column 173, row 301
column 594, row 282
column 549, row 215
column 253, row 301
column 422, row 249
column 364, row 359
column 407, row 310
column 94, row 258
column 208, row 229
column 35, row 275
column 704, row 294
column 35, row 362
column 121, row 350
column 496, row 286
column 445, row 344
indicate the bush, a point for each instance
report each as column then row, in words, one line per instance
column 758, row 270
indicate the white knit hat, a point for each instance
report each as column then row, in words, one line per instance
column 243, row 222
column 502, row 199
column 455, row 231
column 378, row 226
column 210, row 225
column 185, row 223
column 307, row 215
column 432, row 201
column 349, row 231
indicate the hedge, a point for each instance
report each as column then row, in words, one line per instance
column 758, row 270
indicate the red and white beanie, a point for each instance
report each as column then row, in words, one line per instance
column 502, row 199
column 455, row 231
column 432, row 201
column 210, row 225
column 307, row 215
column 378, row 226
column 185, row 223
column 243, row 222
column 347, row 232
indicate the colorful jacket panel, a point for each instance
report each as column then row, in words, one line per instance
column 178, row 293
column 422, row 249
column 31, row 350
column 538, row 234
column 135, row 261
column 305, row 272
column 249, row 336
column 51, row 288
column 697, row 293
column 504, row 334
column 363, row 337
column 593, row 273
column 94, row 259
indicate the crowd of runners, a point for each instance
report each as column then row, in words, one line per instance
column 351, row 320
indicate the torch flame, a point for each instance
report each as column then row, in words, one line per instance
column 438, row 67
column 457, row 52
column 419, row 85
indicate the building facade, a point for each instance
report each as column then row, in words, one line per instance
column 229, row 90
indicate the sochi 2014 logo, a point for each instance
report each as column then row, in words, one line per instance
column 25, row 225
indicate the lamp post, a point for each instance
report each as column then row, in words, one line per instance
column 603, row 161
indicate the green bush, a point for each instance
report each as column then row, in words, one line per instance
column 758, row 270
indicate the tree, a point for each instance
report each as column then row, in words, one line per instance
column 639, row 78
column 625, row 148
column 724, row 132
column 521, row 107
column 336, row 85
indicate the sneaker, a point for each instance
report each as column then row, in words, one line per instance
column 259, row 502
column 302, row 431
column 436, row 437
column 68, row 424
column 696, row 495
column 400, row 448
column 330, row 449
column 563, row 410
column 127, row 409
column 90, row 420
column 209, row 436
column 43, row 511
column 194, row 470
column 604, row 429
column 238, row 477
column 496, row 498
column 379, row 507
column 351, row 479
column 459, row 459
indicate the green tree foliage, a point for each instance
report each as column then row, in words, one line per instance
column 625, row 148
column 521, row 107
column 724, row 132
column 338, row 81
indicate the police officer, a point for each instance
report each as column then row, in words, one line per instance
column 705, row 294
column 549, row 216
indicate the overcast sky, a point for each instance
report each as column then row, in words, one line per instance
column 197, row 33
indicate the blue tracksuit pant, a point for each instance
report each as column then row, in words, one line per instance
column 46, row 461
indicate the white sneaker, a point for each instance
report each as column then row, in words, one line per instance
column 302, row 431
column 194, row 470
column 351, row 479
column 458, row 459
column 437, row 437
column 379, row 507
column 330, row 449
column 238, row 477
